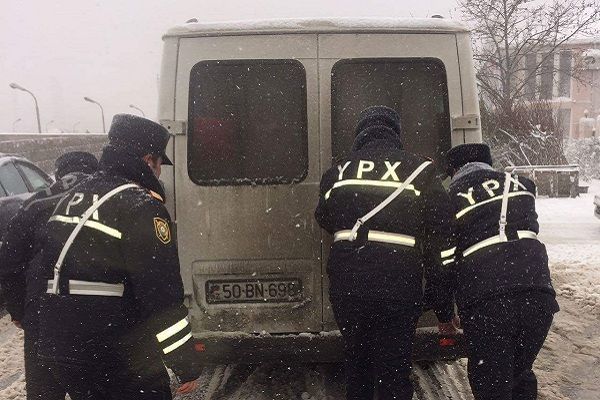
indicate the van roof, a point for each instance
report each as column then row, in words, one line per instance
column 320, row 25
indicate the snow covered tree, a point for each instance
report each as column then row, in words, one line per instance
column 526, row 134
column 586, row 154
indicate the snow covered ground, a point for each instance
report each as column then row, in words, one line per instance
column 568, row 366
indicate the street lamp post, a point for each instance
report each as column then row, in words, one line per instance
column 137, row 108
column 74, row 125
column 37, row 109
column 101, row 110
column 15, row 124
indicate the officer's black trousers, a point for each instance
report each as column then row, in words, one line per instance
column 378, row 337
column 89, row 383
column 39, row 382
column 504, row 336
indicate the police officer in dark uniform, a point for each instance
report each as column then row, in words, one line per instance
column 504, row 291
column 22, row 243
column 114, row 311
column 379, row 250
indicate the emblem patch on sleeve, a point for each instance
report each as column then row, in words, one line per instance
column 163, row 232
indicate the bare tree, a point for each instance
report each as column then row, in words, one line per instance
column 515, row 42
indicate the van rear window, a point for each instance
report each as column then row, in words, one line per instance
column 416, row 88
column 247, row 122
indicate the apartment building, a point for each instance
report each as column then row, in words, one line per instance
column 576, row 98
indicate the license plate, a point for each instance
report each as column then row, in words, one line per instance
column 254, row 291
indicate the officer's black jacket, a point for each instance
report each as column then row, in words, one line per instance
column 515, row 265
column 374, row 269
column 129, row 240
column 22, row 241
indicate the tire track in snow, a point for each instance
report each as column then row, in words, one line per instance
column 433, row 381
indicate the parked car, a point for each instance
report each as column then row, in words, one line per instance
column 597, row 206
column 19, row 179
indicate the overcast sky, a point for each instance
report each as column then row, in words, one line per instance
column 109, row 50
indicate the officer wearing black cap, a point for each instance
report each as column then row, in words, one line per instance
column 113, row 315
column 389, row 216
column 504, row 291
column 22, row 243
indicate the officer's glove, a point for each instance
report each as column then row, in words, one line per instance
column 187, row 387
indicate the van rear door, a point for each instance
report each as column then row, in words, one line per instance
column 416, row 74
column 246, row 191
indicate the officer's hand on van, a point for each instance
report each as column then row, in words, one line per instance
column 187, row 387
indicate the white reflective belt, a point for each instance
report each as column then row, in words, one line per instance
column 82, row 221
column 448, row 253
column 177, row 344
column 497, row 239
column 378, row 236
column 367, row 182
column 87, row 288
column 90, row 224
column 388, row 200
column 504, row 208
column 527, row 235
column 447, row 256
column 172, row 330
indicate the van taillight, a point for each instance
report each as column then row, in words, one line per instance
column 445, row 342
column 199, row 347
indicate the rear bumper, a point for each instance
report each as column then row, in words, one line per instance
column 326, row 347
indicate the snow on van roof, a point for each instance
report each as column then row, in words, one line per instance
column 319, row 25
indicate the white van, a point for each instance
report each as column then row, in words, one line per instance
column 259, row 110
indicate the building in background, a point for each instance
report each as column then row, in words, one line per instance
column 576, row 97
